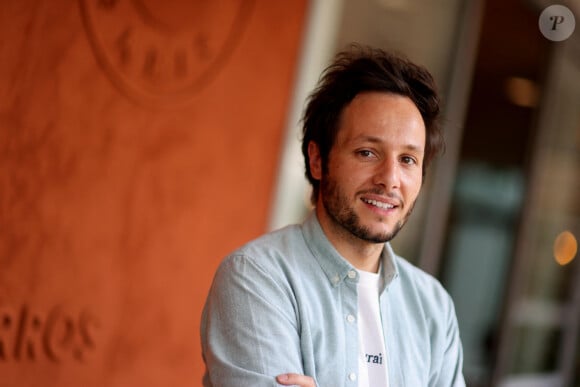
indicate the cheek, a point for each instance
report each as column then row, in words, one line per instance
column 413, row 186
column 349, row 182
column 343, row 172
column 358, row 178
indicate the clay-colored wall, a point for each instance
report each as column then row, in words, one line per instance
column 138, row 144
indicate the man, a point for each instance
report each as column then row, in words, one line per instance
column 327, row 303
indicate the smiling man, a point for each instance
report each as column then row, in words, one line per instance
column 328, row 303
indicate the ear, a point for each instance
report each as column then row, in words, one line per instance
column 315, row 161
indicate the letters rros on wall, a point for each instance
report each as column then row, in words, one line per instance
column 57, row 336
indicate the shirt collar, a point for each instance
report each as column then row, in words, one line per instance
column 334, row 265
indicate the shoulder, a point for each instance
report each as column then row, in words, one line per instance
column 422, row 286
column 409, row 272
column 271, row 248
column 273, row 242
column 270, row 256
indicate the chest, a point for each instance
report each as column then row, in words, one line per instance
column 329, row 334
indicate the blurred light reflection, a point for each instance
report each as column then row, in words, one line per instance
column 565, row 248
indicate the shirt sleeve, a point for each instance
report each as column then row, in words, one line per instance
column 450, row 373
column 249, row 327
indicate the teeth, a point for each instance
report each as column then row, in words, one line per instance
column 379, row 204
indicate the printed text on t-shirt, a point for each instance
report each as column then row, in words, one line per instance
column 374, row 359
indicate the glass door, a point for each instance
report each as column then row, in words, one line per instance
column 539, row 340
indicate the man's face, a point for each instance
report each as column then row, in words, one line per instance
column 374, row 171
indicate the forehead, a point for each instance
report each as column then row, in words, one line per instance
column 384, row 116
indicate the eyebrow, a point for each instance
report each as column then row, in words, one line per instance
column 378, row 140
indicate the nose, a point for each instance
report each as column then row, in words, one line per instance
column 388, row 174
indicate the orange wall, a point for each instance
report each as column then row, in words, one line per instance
column 138, row 144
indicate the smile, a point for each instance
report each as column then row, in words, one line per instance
column 385, row 206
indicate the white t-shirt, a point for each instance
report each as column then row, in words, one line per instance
column 373, row 370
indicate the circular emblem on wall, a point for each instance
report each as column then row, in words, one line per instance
column 164, row 51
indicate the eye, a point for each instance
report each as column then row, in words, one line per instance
column 365, row 153
column 408, row 160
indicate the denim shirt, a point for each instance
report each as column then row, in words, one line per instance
column 287, row 302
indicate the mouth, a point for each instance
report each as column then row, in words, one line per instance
column 379, row 204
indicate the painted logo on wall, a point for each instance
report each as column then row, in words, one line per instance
column 164, row 51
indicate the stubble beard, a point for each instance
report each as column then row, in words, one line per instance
column 338, row 208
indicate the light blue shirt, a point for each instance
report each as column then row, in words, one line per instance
column 287, row 302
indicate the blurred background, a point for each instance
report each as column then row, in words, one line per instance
column 142, row 140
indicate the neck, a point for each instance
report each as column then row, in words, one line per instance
column 363, row 255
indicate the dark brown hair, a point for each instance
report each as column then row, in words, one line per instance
column 361, row 69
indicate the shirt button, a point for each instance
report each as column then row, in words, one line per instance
column 352, row 376
column 352, row 274
column 350, row 318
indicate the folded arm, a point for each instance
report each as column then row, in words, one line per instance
column 249, row 328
